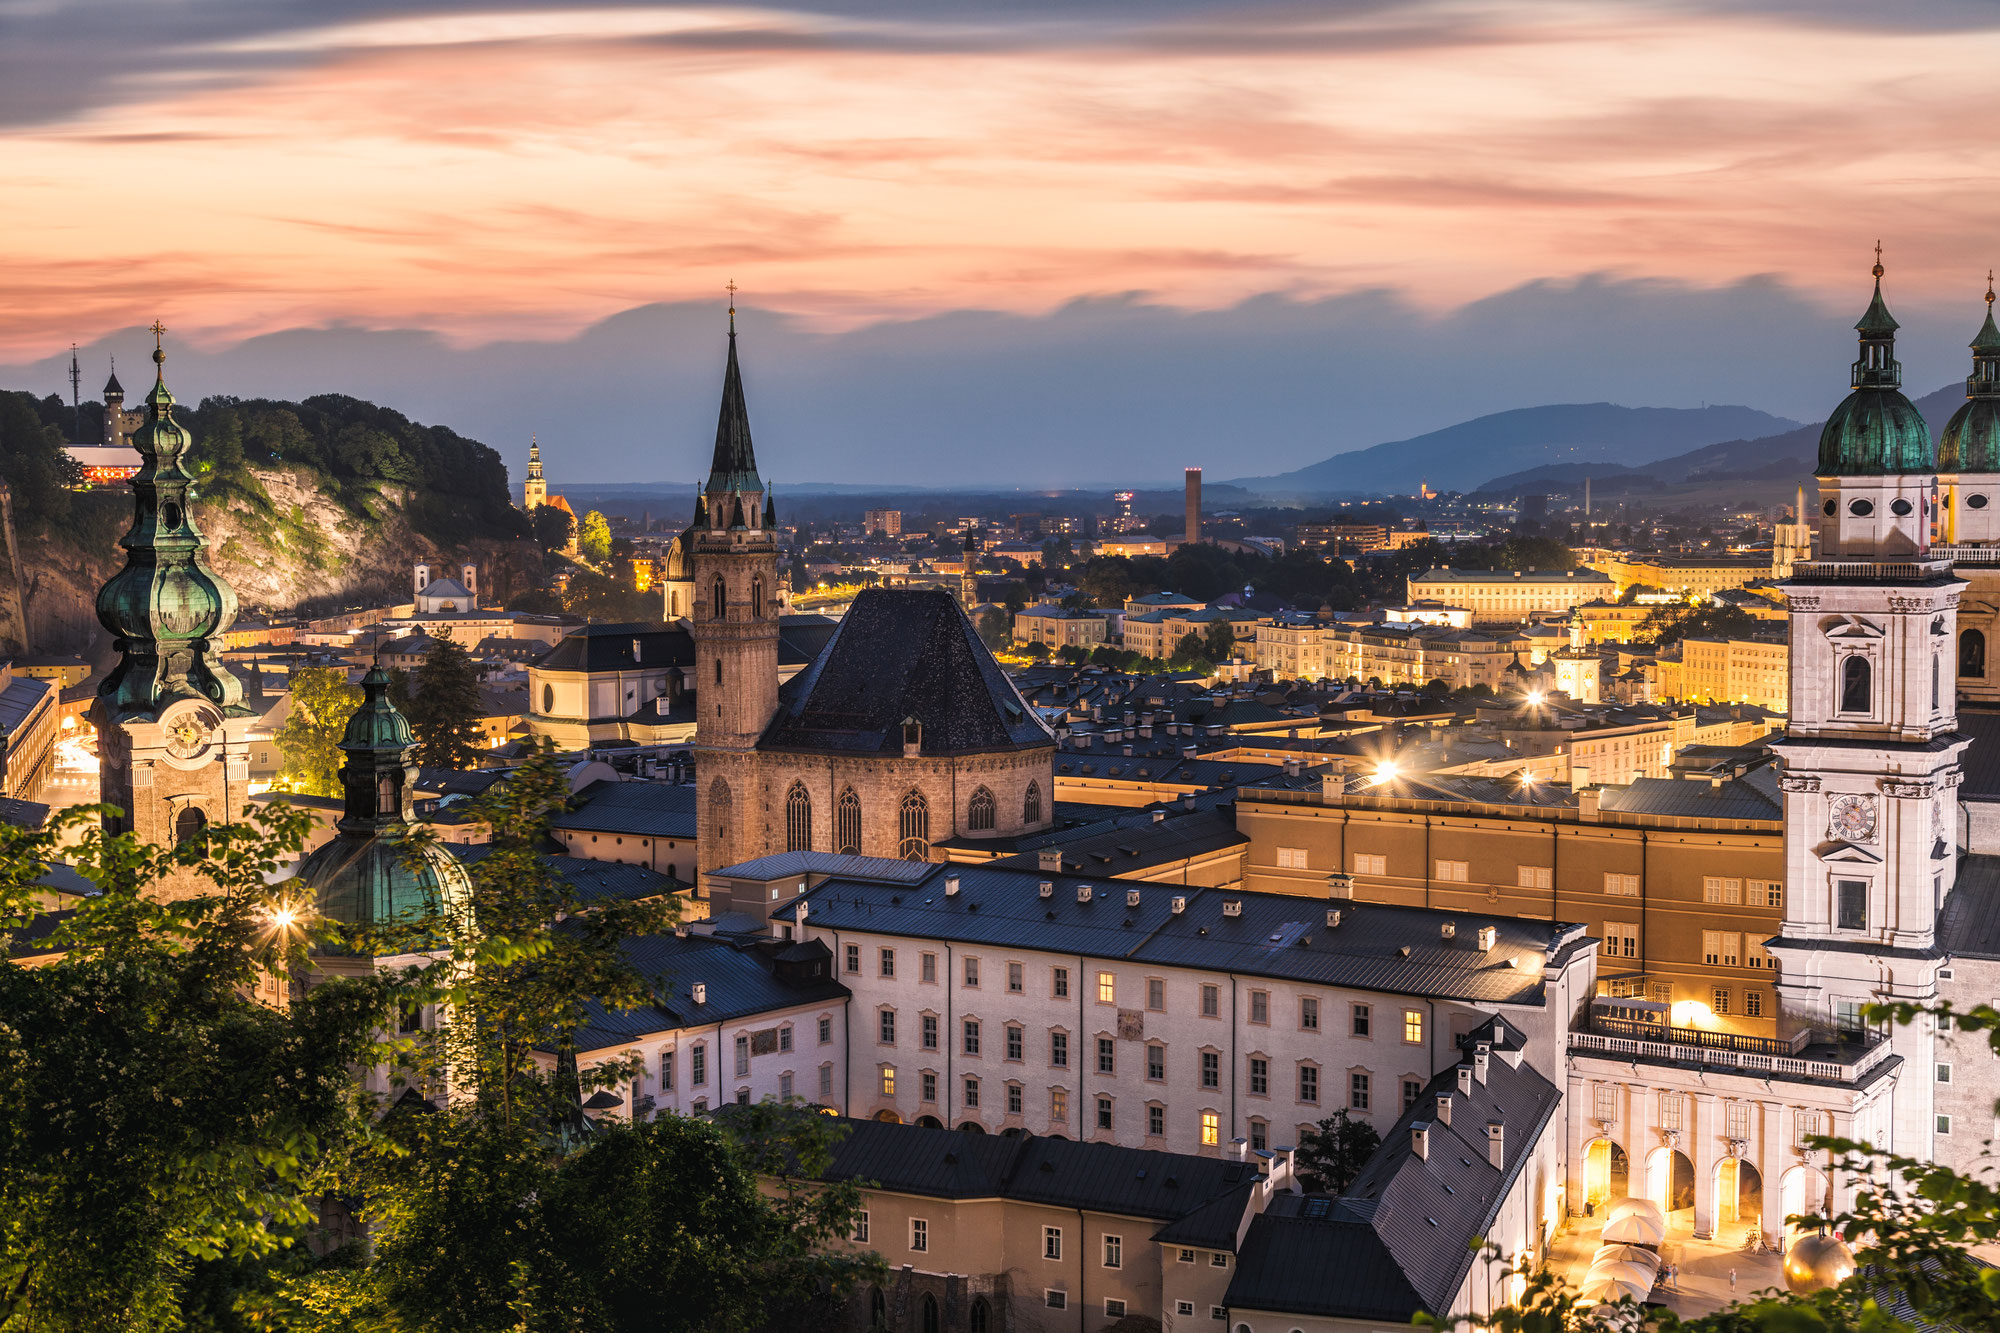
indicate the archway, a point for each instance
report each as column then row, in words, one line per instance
column 1739, row 1192
column 889, row 1117
column 929, row 1122
column 972, row 1127
column 1670, row 1184
column 1802, row 1192
column 1607, row 1172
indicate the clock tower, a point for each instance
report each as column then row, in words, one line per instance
column 1872, row 750
column 172, row 727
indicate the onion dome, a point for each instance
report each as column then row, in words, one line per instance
column 1971, row 439
column 370, row 874
column 1875, row 431
column 166, row 609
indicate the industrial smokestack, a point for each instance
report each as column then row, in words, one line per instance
column 1193, row 505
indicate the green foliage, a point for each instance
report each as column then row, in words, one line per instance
column 606, row 597
column 33, row 462
column 322, row 702
column 1072, row 655
column 595, row 538
column 1206, row 572
column 1522, row 553
column 1335, row 1150
column 1191, row 654
column 156, row 1124
column 552, row 527
column 446, row 708
column 1038, row 650
column 1219, row 643
column 1670, row 623
column 456, row 488
column 995, row 629
column 536, row 601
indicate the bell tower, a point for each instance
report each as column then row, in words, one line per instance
column 171, row 722
column 734, row 560
column 1872, row 751
column 534, row 491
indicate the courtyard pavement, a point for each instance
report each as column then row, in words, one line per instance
column 1705, row 1265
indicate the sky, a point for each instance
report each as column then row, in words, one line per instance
column 1025, row 243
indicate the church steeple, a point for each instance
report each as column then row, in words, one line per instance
column 733, row 468
column 1877, row 367
column 167, row 609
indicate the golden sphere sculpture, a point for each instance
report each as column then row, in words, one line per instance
column 1817, row 1262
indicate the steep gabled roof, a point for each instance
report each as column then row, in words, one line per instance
column 904, row 653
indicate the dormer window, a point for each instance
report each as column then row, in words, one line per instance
column 913, row 732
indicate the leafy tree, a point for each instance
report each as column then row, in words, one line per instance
column 1072, row 655
column 1669, row 624
column 994, row 629
column 594, row 539
column 603, row 597
column 33, row 461
column 1219, row 644
column 1333, row 1152
column 1037, row 650
column 536, row 601
column 446, row 707
column 1191, row 653
column 158, row 1128
column 322, row 701
column 552, row 527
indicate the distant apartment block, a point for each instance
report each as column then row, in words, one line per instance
column 1510, row 596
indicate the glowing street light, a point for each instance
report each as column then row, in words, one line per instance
column 1386, row 771
column 1534, row 698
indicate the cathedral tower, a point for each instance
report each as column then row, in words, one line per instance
column 1969, row 511
column 534, row 491
column 1871, row 753
column 171, row 722
column 735, row 619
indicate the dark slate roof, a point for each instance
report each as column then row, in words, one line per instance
column 1133, row 843
column 592, row 881
column 740, row 983
column 1981, row 759
column 20, row 698
column 1275, row 934
column 1096, row 1177
column 640, row 809
column 1400, row 1236
column 1212, row 1226
column 23, row 814
column 1969, row 925
column 1753, row 796
column 610, row 648
column 900, row 653
column 801, row 638
column 787, row 865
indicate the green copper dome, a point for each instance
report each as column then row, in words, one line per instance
column 167, row 609
column 1971, row 439
column 1875, row 431
column 370, row 874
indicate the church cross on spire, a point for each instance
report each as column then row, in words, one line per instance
column 732, row 307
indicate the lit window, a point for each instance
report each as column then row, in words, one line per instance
column 1107, row 988
column 1413, row 1025
column 1211, row 1129
column 888, row 1080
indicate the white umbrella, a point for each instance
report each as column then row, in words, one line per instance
column 1619, row 1270
column 1635, row 1229
column 1606, row 1287
column 1630, row 1254
column 1640, row 1207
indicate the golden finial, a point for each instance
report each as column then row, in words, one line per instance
column 159, row 332
column 1878, row 260
column 732, row 307
column 1989, row 288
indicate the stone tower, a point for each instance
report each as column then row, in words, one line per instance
column 968, row 575
column 734, row 623
column 171, row 722
column 1872, row 751
column 534, row 491
column 1791, row 542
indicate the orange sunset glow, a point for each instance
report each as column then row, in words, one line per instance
column 522, row 171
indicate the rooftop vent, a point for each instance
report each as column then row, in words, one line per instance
column 1049, row 859
column 1159, row 816
column 1234, row 907
column 1048, row 888
column 1179, row 905
column 1131, row 897
column 1449, row 929
column 698, row 992
column 951, row 886
column 1487, row 935
column 1339, row 885
column 1083, row 893
column 1444, row 1108
column 1420, row 1138
column 1332, row 917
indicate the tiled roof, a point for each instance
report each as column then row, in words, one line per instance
column 904, row 653
column 1390, row 949
column 642, row 809
column 739, row 983
column 592, row 881
column 1123, row 846
column 784, row 865
column 1969, row 925
column 630, row 646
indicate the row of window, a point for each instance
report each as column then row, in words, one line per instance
column 744, row 1047
column 1676, row 1113
column 972, row 1042
column 914, row 823
column 1714, row 888
column 1111, row 1252
column 1360, row 1091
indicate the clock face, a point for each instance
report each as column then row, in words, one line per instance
column 187, row 733
column 1851, row 819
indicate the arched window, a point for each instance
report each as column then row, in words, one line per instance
column 979, row 814
column 798, row 819
column 386, row 802
column 548, row 699
column 718, row 814
column 915, row 828
column 1031, row 804
column 757, row 597
column 718, row 605
column 718, row 669
column 878, row 1311
column 930, row 1313
column 1856, row 685
column 847, row 823
column 981, row 1319
column 189, row 825
column 1972, row 654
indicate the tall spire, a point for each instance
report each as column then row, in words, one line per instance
column 534, row 458
column 1876, row 367
column 734, row 466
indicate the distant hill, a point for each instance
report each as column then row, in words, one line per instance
column 1465, row 456
column 1789, row 456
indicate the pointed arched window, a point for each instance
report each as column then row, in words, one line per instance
column 1856, row 685
column 847, row 823
column 1031, row 804
column 798, row 819
column 757, row 597
column 719, row 803
column 979, row 814
column 718, row 606
column 914, row 825
column 930, row 1316
column 1972, row 654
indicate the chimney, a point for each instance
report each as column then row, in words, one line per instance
column 1487, row 935
column 1444, row 1108
column 1050, row 859
column 1048, row 888
column 1496, row 1143
column 1193, row 505
column 1340, row 885
column 1159, row 816
column 951, row 886
column 1465, row 1079
column 1587, row 797
column 1083, row 893
column 1420, row 1138
column 698, row 992
column 1233, row 907
column 1241, row 1148
column 1332, row 917
column 1448, row 929
column 1481, row 1054
column 1131, row 897
column 1179, row 905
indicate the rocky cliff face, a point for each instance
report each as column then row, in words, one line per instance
column 294, row 548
